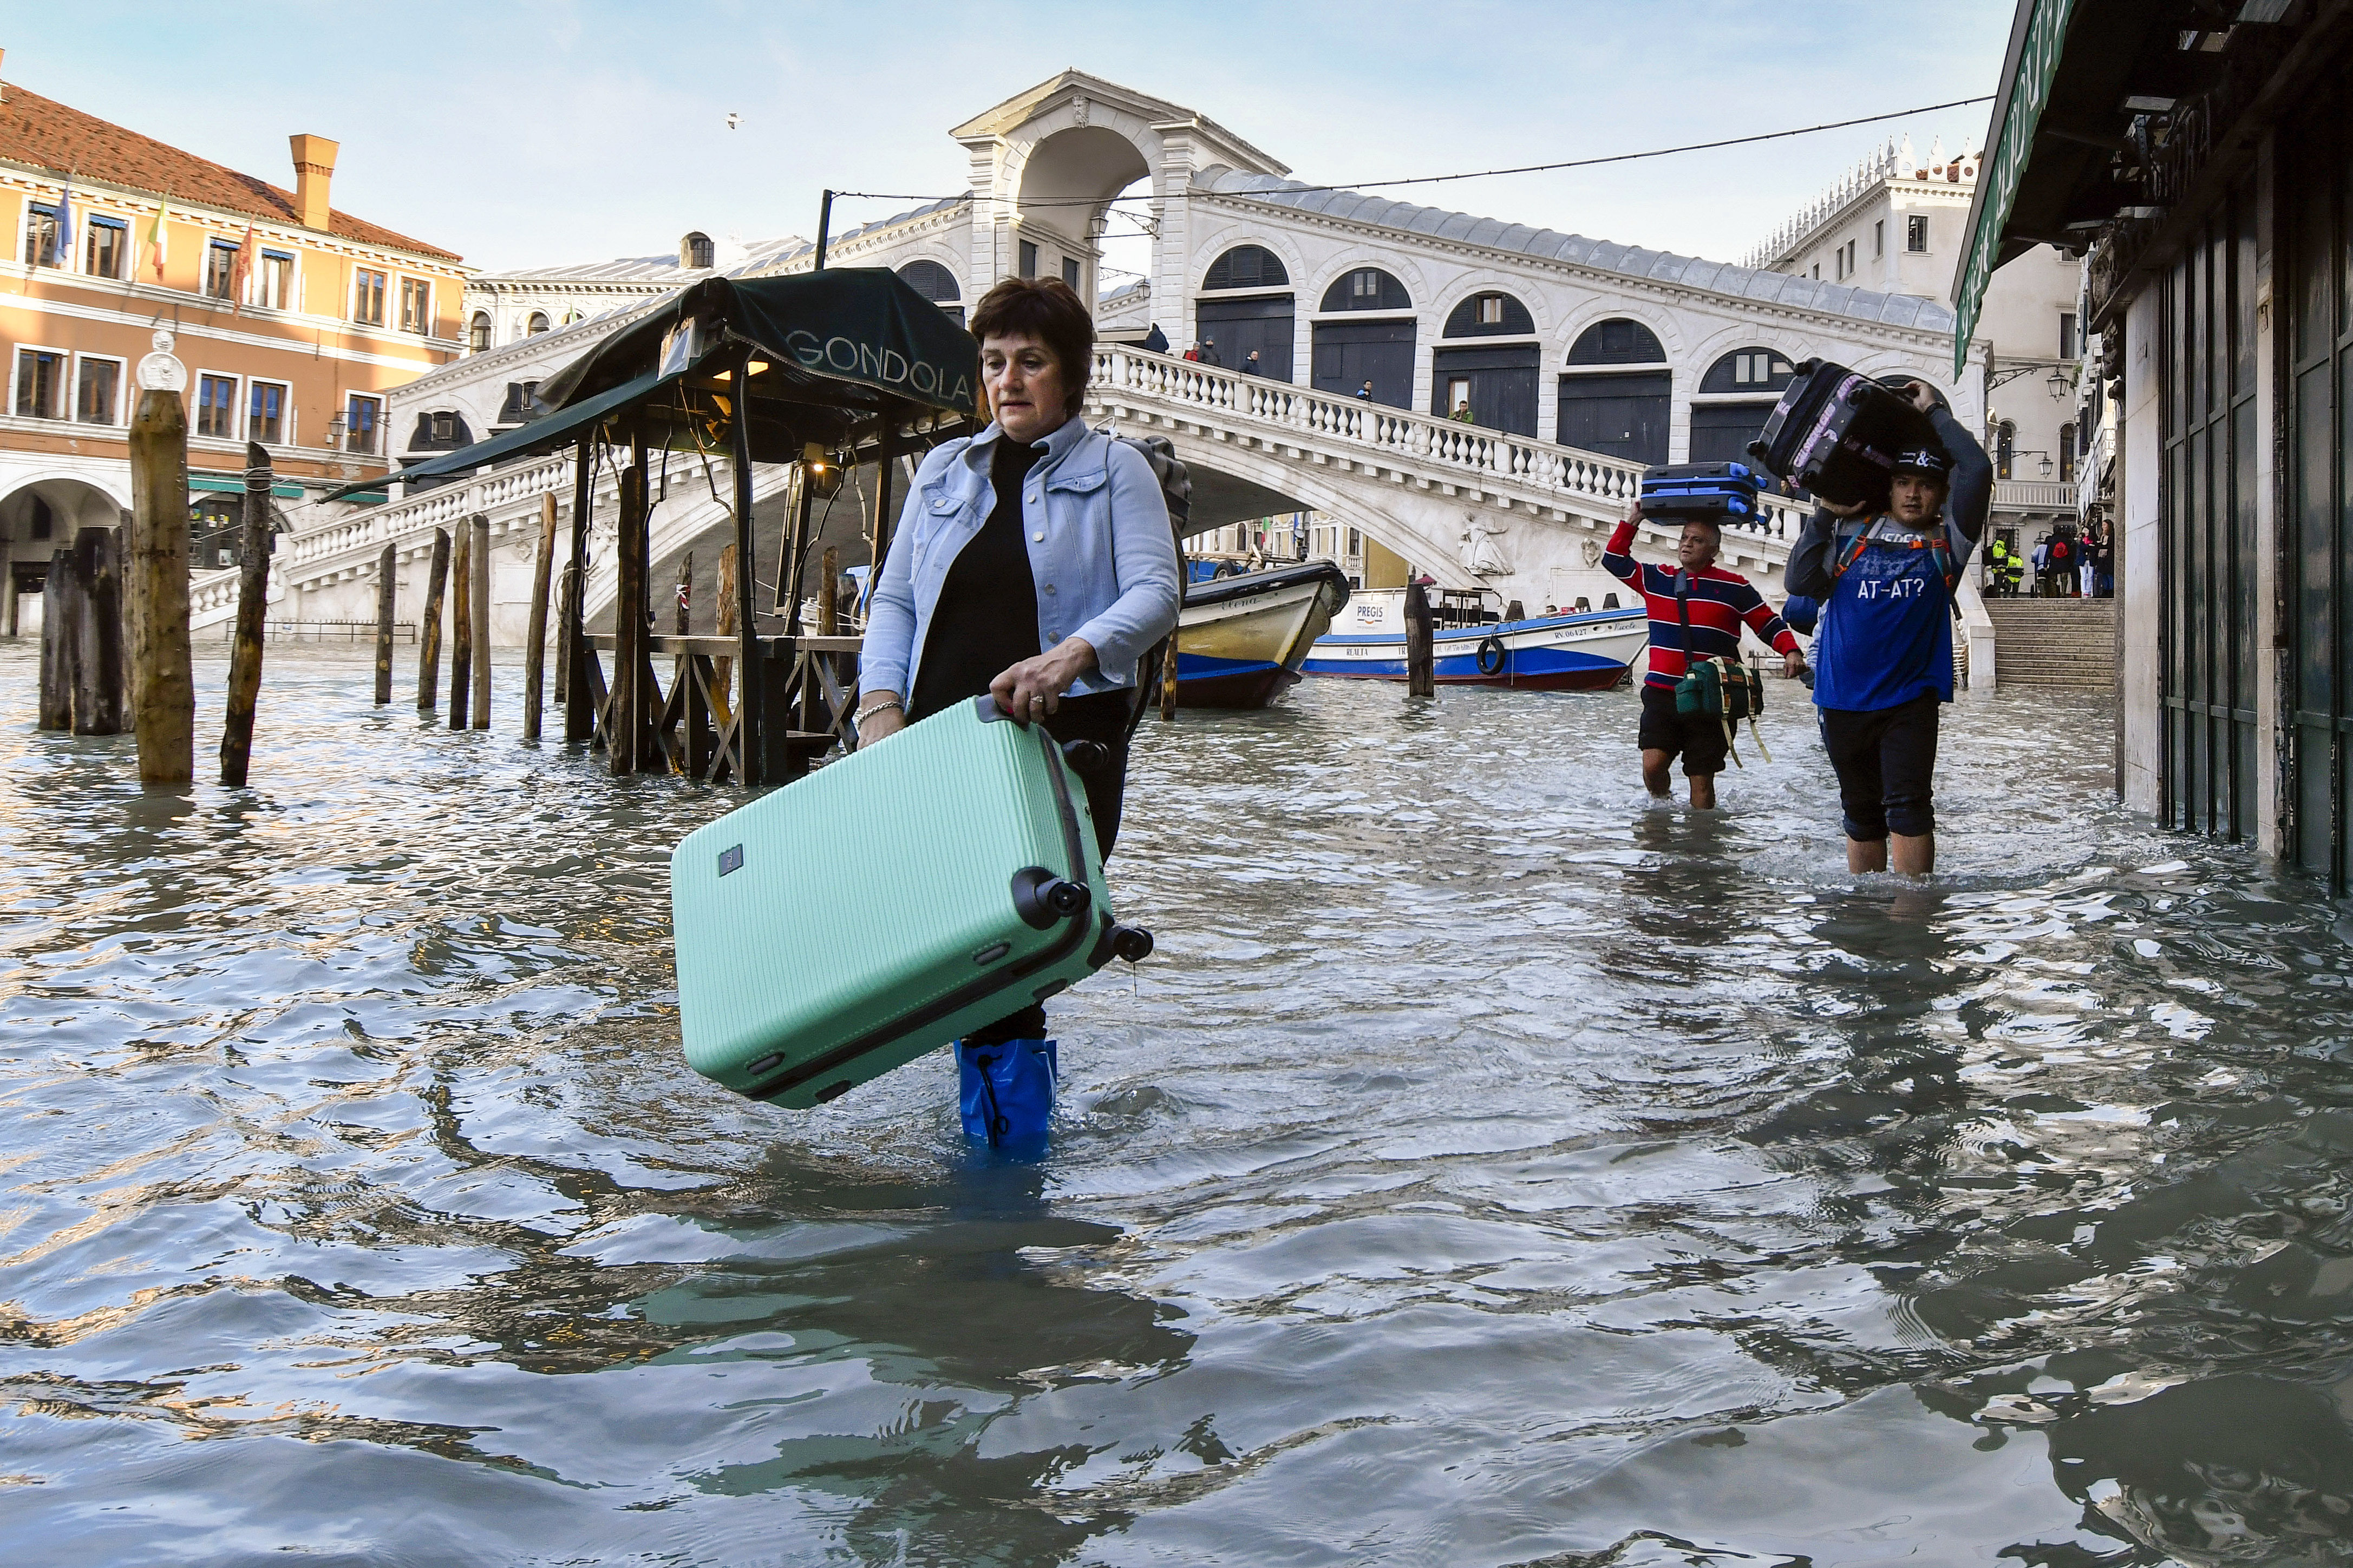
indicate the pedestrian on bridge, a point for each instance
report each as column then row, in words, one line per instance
column 1033, row 564
column 1365, row 393
column 1209, row 354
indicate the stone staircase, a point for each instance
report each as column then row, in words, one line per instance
column 2056, row 642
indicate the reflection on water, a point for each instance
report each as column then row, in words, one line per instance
column 1491, row 1168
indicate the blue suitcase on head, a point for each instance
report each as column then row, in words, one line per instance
column 1719, row 491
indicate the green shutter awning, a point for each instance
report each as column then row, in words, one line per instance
column 236, row 485
column 2034, row 47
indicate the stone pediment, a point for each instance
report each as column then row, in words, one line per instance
column 1007, row 119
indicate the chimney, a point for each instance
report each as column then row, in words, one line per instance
column 314, row 169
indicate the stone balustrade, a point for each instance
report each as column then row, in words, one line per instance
column 1418, row 445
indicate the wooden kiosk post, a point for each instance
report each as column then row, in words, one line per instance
column 750, row 720
column 572, row 653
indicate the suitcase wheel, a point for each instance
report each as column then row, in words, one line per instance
column 1041, row 898
column 1132, row 943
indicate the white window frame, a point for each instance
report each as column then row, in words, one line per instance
column 16, row 371
column 205, row 268
column 349, row 398
column 1878, row 238
column 1921, row 220
column 426, row 329
column 352, row 305
column 32, row 207
column 91, row 224
column 286, row 432
column 121, row 389
column 235, row 404
column 293, row 279
column 1489, row 303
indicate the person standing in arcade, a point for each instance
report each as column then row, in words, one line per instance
column 1884, row 575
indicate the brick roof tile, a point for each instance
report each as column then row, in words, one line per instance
column 48, row 135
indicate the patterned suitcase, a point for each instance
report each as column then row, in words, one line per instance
column 886, row 905
column 1836, row 434
column 1719, row 491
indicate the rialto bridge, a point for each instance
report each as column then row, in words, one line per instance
column 1579, row 360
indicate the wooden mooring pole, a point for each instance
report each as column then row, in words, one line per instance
column 481, row 598
column 252, row 608
column 61, row 615
column 164, row 694
column 98, row 658
column 388, row 592
column 429, row 632
column 461, row 626
column 1420, row 671
column 534, row 645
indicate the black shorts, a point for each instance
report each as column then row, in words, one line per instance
column 1885, row 759
column 1695, row 737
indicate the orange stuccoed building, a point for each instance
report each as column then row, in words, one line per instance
column 291, row 320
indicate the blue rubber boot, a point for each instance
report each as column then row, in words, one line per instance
column 1005, row 1094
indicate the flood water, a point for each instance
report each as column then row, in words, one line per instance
column 1489, row 1168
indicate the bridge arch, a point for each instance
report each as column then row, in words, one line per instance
column 1060, row 170
column 1242, row 316
column 1615, row 390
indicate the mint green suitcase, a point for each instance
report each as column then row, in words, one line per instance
column 886, row 905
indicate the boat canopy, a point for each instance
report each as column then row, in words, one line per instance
column 828, row 357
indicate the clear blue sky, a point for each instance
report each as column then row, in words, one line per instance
column 544, row 131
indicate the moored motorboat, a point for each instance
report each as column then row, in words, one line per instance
column 1240, row 640
column 1588, row 651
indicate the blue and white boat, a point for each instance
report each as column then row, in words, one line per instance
column 1475, row 646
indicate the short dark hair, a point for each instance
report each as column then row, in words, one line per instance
column 1047, row 309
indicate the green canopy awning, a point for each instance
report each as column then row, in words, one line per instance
column 528, row 440
column 853, row 338
column 831, row 355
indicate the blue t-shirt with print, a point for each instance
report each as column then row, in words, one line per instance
column 1886, row 632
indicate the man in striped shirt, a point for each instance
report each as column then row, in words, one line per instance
column 1714, row 603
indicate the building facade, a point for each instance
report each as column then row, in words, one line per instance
column 2203, row 156
column 294, row 323
column 1633, row 354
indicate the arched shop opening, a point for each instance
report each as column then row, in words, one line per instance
column 1496, row 380
column 1254, row 309
column 1609, row 406
column 1349, row 353
column 1735, row 399
column 937, row 284
column 37, row 519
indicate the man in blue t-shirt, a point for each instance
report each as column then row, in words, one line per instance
column 1884, row 658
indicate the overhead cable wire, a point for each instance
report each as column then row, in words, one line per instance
column 1290, row 189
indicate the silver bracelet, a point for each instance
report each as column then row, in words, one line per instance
column 885, row 699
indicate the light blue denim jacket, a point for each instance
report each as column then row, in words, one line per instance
column 1100, row 550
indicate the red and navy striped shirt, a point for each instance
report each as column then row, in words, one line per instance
column 1719, row 601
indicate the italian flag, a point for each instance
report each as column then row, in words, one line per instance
column 155, row 238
